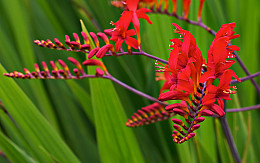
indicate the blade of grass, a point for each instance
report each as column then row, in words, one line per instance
column 33, row 126
column 13, row 152
column 112, row 134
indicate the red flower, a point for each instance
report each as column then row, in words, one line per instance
column 119, row 35
column 221, row 92
column 219, row 51
column 132, row 15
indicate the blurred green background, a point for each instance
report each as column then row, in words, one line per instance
column 83, row 120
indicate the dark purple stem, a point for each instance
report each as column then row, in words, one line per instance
column 136, row 91
column 6, row 112
column 247, row 73
column 140, row 53
column 229, row 137
column 197, row 23
column 244, row 109
column 245, row 78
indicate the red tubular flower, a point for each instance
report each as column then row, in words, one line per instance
column 219, row 51
column 119, row 35
column 132, row 15
column 221, row 92
column 186, row 55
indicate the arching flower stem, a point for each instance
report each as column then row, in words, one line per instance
column 244, row 109
column 136, row 91
column 247, row 73
column 138, row 53
column 245, row 78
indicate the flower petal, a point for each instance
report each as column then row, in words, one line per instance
column 131, row 42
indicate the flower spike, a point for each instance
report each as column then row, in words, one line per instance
column 189, row 79
column 57, row 73
column 147, row 115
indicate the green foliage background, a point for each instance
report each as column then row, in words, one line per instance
column 83, row 120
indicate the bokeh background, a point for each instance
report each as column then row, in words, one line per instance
column 83, row 120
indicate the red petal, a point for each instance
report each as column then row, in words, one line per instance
column 177, row 26
column 225, row 79
column 219, row 49
column 207, row 75
column 186, row 43
column 221, row 67
column 217, row 109
column 173, row 59
column 141, row 14
column 125, row 20
column 131, row 42
column 209, row 99
column 118, row 44
column 130, row 32
column 132, row 4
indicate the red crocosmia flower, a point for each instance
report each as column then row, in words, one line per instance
column 119, row 35
column 219, row 51
column 222, row 91
column 226, row 30
column 222, row 37
column 132, row 15
column 188, row 54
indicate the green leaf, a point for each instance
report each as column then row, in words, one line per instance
column 33, row 126
column 112, row 134
column 13, row 152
